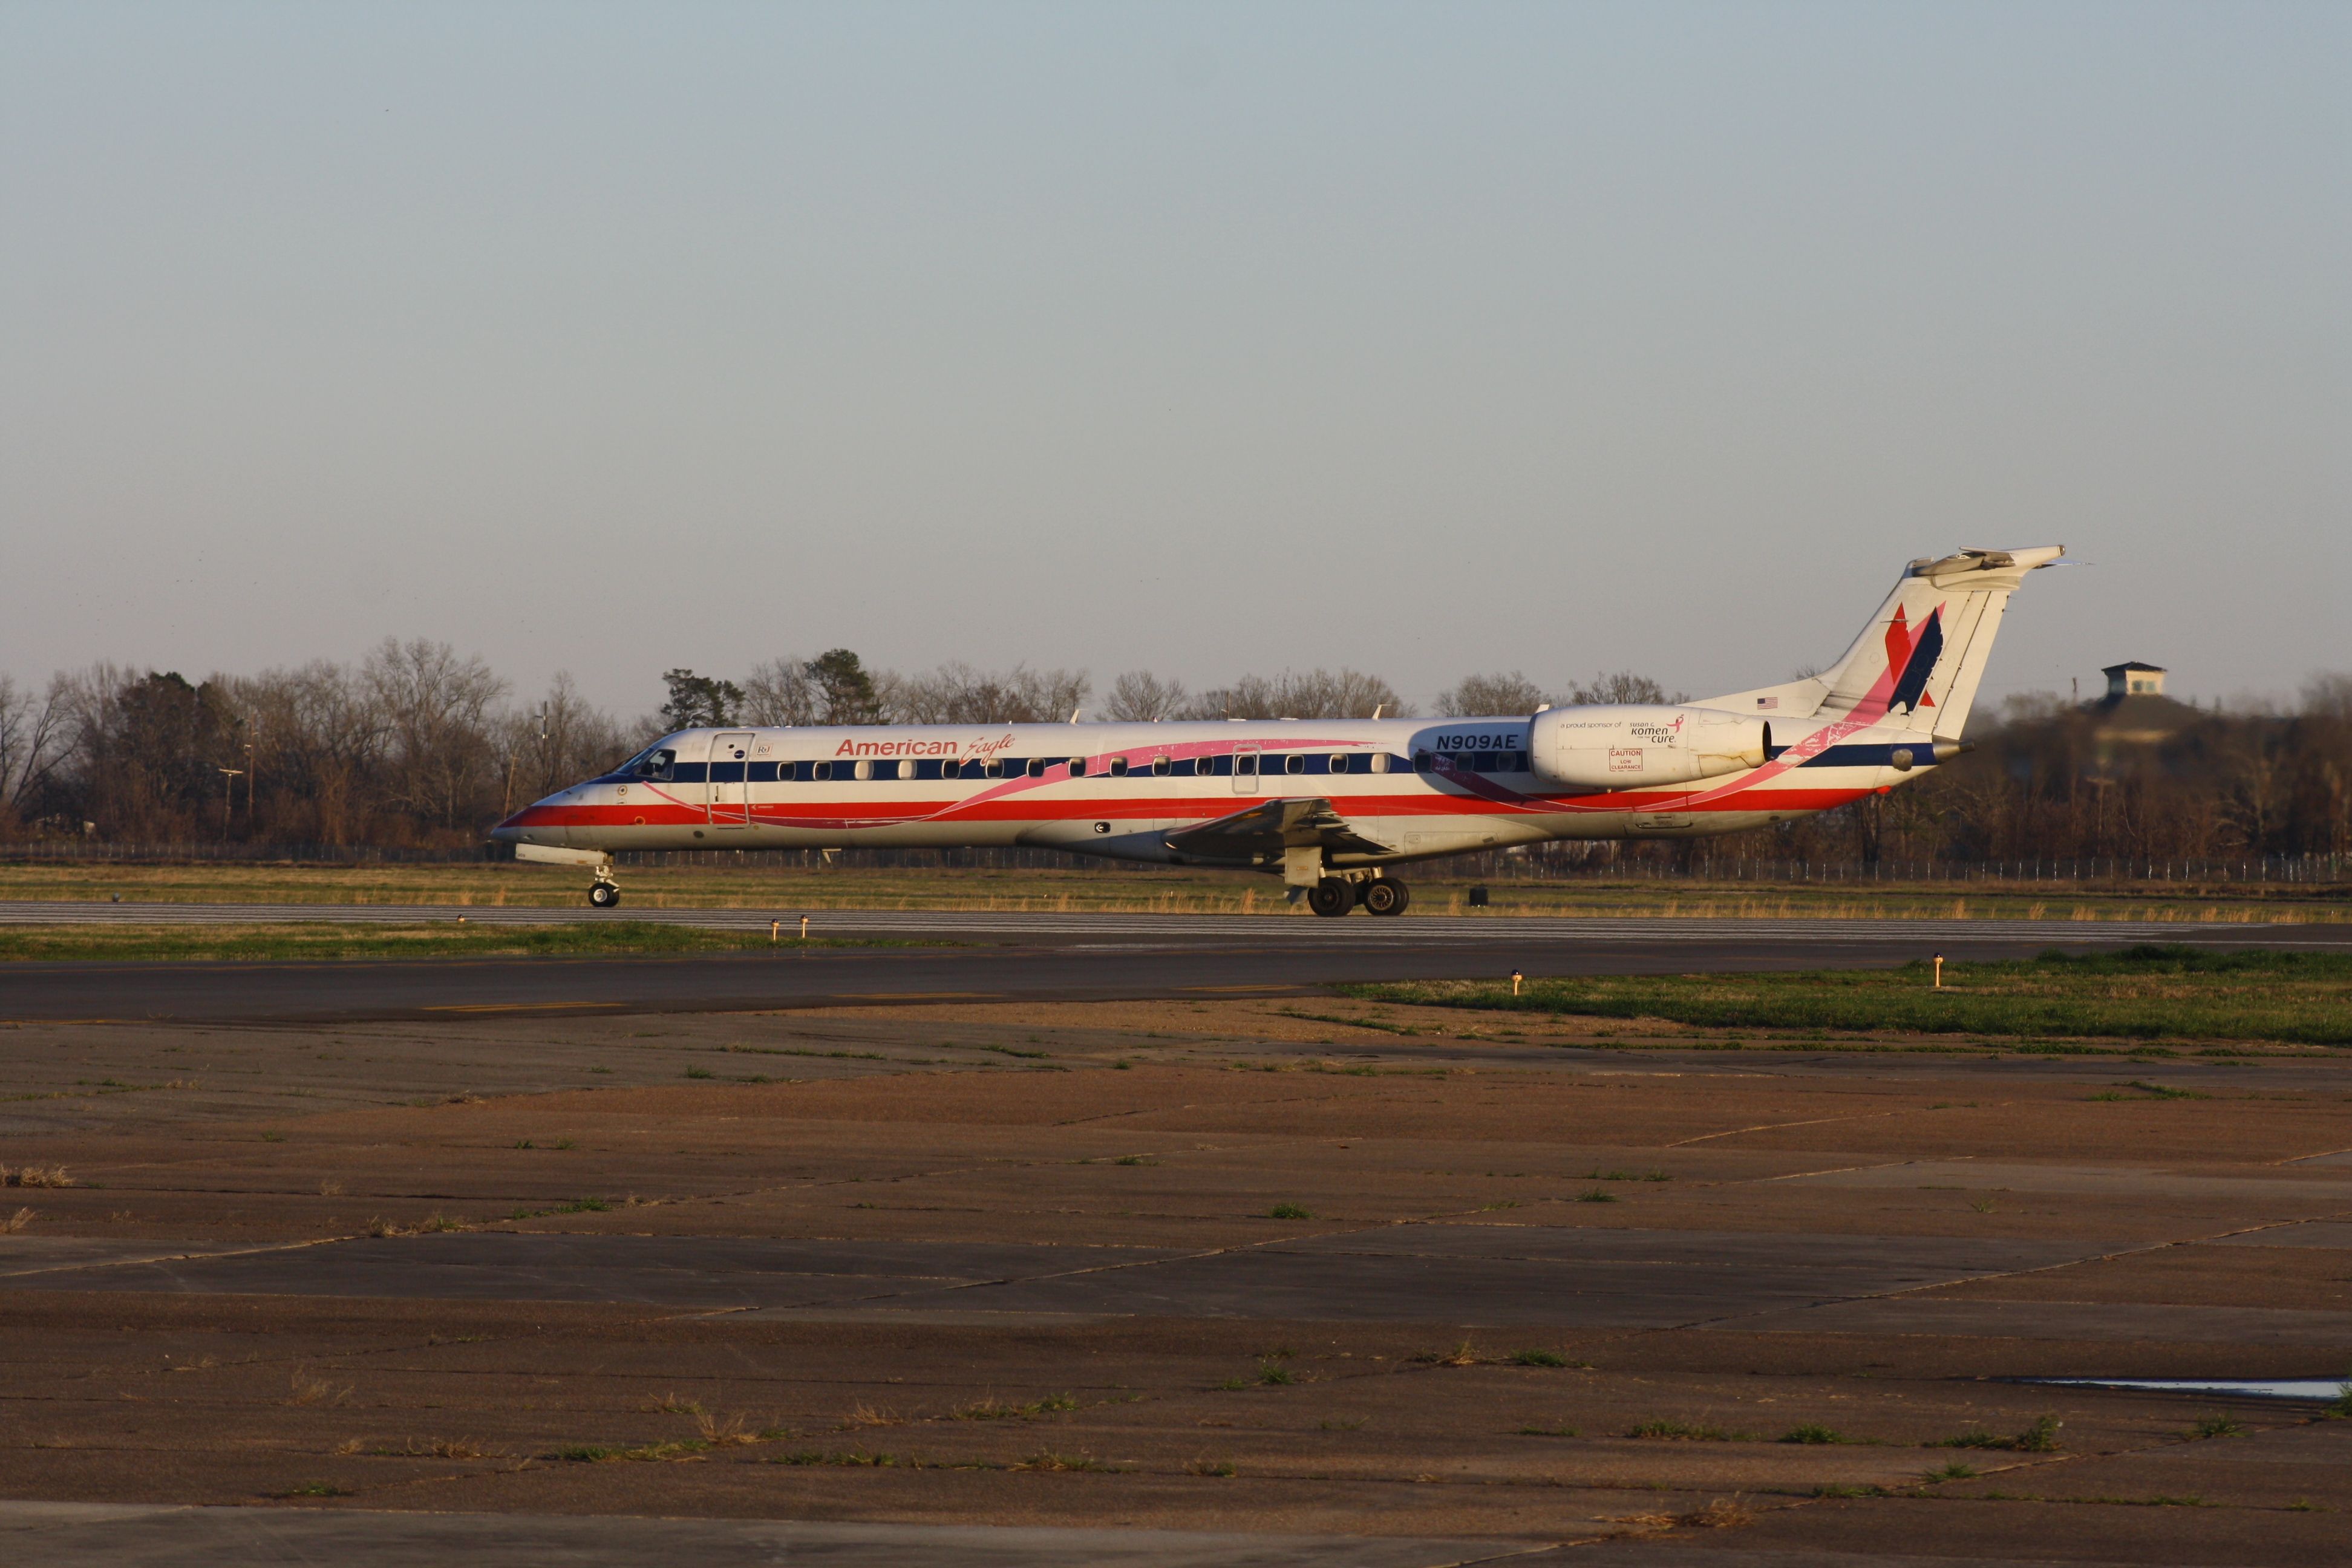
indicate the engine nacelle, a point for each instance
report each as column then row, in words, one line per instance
column 1636, row 747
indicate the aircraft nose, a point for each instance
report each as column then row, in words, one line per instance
column 507, row 832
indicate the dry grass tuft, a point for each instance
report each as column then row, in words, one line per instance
column 867, row 1416
column 1059, row 1462
column 305, row 1389
column 35, row 1176
column 10, row 1225
column 1723, row 1513
column 1462, row 1354
column 733, row 1432
column 331, row 1189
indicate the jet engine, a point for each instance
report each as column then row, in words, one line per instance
column 1638, row 747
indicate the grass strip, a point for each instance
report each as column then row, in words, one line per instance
column 2145, row 993
column 439, row 940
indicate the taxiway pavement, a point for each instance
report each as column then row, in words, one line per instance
column 990, row 957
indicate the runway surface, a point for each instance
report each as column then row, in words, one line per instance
column 1472, row 1275
column 66, row 1535
column 986, row 955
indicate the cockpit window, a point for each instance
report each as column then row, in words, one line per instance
column 659, row 764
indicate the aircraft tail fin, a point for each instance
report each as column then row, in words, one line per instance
column 1918, row 662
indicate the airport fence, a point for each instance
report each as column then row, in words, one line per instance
column 1547, row 863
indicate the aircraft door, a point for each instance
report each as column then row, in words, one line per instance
column 729, row 788
column 1245, row 762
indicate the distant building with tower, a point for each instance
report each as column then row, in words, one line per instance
column 2136, row 711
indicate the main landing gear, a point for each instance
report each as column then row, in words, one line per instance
column 603, row 894
column 1334, row 896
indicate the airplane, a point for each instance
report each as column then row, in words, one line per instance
column 1331, row 805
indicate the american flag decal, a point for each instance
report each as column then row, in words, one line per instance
column 1768, row 703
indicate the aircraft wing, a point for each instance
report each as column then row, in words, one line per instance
column 1270, row 828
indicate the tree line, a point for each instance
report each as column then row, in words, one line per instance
column 415, row 745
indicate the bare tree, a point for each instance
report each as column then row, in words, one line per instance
column 1315, row 694
column 1492, row 697
column 1623, row 686
column 781, row 692
column 437, row 717
column 959, row 694
column 32, row 736
column 1140, row 696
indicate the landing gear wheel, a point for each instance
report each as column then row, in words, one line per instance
column 1331, row 897
column 1383, row 896
column 604, row 895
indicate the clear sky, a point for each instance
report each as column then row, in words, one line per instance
column 1202, row 338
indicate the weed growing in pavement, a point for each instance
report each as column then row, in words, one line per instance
column 1955, row 1471
column 1813, row 1433
column 1834, row 1490
column 1597, row 1195
column 11, row 1224
column 426, row 1448
column 994, row 1409
column 1274, row 1374
column 1672, row 1431
column 305, row 1389
column 1047, row 1461
column 2217, row 1426
column 35, row 1176
column 671, row 1405
column 732, row 1432
column 2042, row 1437
column 1134, row 1160
column 1985, row 1206
column 437, row 1222
column 1462, row 1354
column 1538, row 1358
column 700, row 1072
column 1288, row 1211
column 1214, row 1468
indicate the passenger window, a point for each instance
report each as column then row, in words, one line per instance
column 1119, row 767
column 1294, row 763
column 1245, row 762
column 864, row 770
column 1036, row 767
column 1077, row 767
column 821, row 771
column 993, row 768
column 1339, row 763
column 1379, row 761
column 1160, row 767
column 907, row 770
